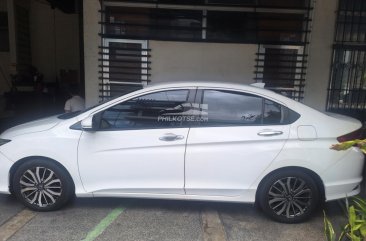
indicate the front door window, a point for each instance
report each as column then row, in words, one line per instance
column 146, row 112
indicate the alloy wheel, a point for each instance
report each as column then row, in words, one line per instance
column 40, row 186
column 289, row 197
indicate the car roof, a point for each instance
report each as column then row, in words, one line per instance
column 223, row 85
column 207, row 84
column 199, row 84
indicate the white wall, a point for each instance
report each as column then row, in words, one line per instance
column 54, row 40
column 320, row 54
column 182, row 61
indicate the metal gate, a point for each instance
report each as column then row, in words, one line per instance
column 347, row 85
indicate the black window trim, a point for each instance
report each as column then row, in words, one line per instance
column 199, row 99
column 191, row 97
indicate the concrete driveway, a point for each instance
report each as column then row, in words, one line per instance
column 153, row 220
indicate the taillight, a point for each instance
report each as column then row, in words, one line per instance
column 351, row 136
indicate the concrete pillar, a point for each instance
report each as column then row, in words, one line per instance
column 91, row 42
column 320, row 53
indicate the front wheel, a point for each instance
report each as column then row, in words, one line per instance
column 42, row 185
column 289, row 196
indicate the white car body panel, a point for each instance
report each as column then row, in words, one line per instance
column 216, row 164
column 132, row 161
column 59, row 144
column 31, row 127
column 153, row 169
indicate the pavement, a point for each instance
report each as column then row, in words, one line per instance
column 109, row 219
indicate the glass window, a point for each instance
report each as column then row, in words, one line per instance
column 156, row 110
column 280, row 27
column 229, row 108
column 284, row 3
column 178, row 24
column 231, row 26
column 272, row 113
column 129, row 22
column 208, row 25
column 233, row 2
column 226, row 108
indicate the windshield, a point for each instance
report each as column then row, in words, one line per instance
column 70, row 115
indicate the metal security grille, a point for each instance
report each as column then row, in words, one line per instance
column 124, row 63
column 124, row 67
column 249, row 21
column 283, row 69
column 279, row 27
column 347, row 86
column 282, row 65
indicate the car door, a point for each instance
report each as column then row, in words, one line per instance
column 135, row 148
column 238, row 136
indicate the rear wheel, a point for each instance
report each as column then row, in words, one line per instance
column 42, row 185
column 289, row 196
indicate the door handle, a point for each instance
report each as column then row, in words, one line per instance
column 269, row 133
column 171, row 137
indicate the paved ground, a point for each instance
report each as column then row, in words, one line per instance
column 153, row 220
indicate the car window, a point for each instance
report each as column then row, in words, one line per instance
column 147, row 111
column 228, row 108
column 272, row 113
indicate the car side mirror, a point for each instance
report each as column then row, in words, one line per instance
column 91, row 123
column 87, row 124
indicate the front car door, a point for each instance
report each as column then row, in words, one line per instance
column 239, row 136
column 136, row 149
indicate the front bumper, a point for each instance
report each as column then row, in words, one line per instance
column 5, row 165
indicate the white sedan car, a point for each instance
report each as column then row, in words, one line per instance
column 191, row 141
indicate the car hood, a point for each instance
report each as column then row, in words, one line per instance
column 31, row 127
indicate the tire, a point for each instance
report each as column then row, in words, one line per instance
column 290, row 196
column 42, row 185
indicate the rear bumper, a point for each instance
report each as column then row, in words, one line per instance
column 343, row 178
column 342, row 190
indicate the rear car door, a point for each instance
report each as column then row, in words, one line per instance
column 238, row 136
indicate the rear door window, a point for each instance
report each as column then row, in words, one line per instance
column 230, row 108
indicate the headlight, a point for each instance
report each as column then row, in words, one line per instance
column 3, row 141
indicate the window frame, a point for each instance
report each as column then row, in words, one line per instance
column 285, row 111
column 106, row 90
column 98, row 114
